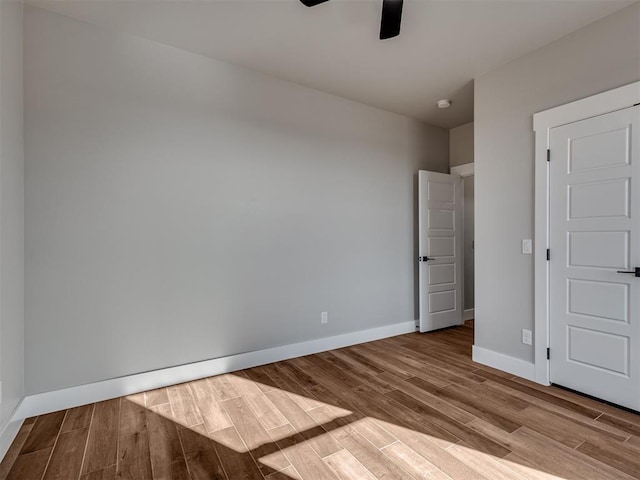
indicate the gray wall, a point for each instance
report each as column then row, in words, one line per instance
column 11, row 209
column 461, row 145
column 181, row 209
column 594, row 59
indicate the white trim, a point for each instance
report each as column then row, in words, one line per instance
column 41, row 403
column 616, row 99
column 466, row 170
column 540, row 264
column 504, row 362
column 10, row 430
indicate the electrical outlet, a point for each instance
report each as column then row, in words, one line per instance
column 526, row 337
column 324, row 317
column 527, row 246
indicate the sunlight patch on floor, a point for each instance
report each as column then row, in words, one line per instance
column 275, row 425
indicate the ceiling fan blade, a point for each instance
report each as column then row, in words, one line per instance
column 391, row 17
column 312, row 3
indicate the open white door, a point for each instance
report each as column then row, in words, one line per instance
column 594, row 318
column 440, row 250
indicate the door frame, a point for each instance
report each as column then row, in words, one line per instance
column 602, row 103
column 463, row 171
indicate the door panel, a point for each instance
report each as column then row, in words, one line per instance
column 599, row 150
column 442, row 247
column 606, row 300
column 613, row 195
column 441, row 274
column 440, row 226
column 444, row 191
column 444, row 219
column 442, row 301
column 594, row 231
column 599, row 349
column 599, row 249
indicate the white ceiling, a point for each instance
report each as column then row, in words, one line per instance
column 334, row 46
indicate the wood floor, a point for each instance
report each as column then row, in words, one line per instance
column 409, row 407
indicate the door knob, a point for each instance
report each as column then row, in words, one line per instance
column 423, row 259
column 635, row 272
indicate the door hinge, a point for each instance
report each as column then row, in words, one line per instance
column 548, row 353
column 548, row 155
column 548, row 254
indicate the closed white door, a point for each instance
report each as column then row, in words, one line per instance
column 440, row 250
column 594, row 238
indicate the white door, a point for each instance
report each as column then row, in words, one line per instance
column 594, row 325
column 440, row 250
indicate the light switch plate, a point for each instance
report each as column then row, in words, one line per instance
column 527, row 246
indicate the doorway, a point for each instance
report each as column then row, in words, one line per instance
column 467, row 172
column 592, row 230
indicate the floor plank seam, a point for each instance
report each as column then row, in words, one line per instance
column 55, row 442
column 86, row 443
column 409, row 475
column 184, row 455
column 250, row 452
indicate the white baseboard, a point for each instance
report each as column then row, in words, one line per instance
column 505, row 363
column 469, row 314
column 10, row 430
column 47, row 402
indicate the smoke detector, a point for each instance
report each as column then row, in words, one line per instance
column 444, row 103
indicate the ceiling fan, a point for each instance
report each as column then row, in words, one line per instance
column 391, row 16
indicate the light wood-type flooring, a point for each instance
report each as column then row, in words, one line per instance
column 409, row 407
